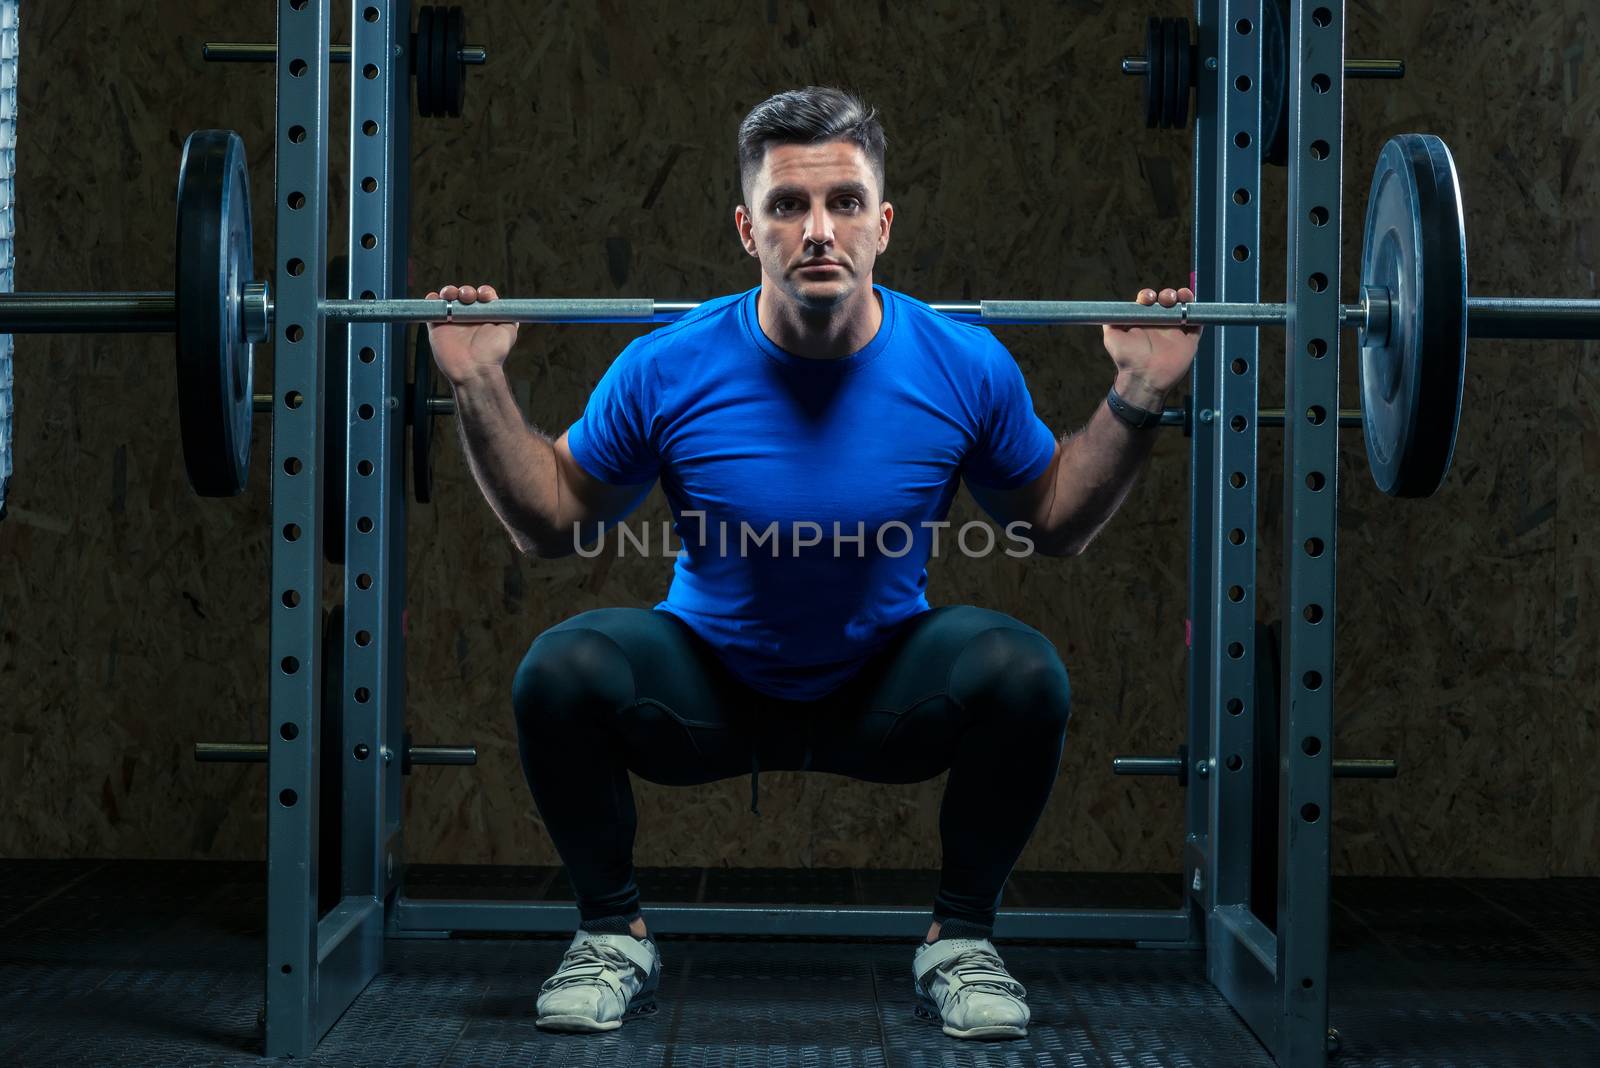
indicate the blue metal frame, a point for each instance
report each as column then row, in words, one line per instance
column 317, row 965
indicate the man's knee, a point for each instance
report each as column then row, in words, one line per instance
column 1016, row 674
column 569, row 673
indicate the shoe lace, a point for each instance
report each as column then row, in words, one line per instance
column 587, row 963
column 980, row 969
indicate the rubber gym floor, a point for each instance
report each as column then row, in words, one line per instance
column 160, row 963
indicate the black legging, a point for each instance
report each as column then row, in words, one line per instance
column 958, row 687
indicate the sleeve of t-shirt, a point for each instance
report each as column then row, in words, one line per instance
column 613, row 440
column 1014, row 445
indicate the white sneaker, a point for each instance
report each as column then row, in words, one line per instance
column 963, row 983
column 603, row 980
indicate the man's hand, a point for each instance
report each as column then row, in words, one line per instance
column 1151, row 360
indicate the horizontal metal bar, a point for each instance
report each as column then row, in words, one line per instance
column 1375, row 68
column 1363, row 768
column 230, row 752
column 1546, row 318
column 452, row 755
column 1275, row 417
column 1145, row 765
column 1348, row 768
column 1353, row 68
column 1250, row 933
column 1085, row 925
column 631, row 310
column 241, row 52
column 337, row 925
column 88, row 313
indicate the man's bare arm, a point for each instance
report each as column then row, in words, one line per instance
column 545, row 500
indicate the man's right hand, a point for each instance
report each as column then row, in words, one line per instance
column 468, row 351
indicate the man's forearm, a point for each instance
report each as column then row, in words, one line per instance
column 1098, row 467
column 513, row 464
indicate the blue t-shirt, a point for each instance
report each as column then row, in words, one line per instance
column 774, row 463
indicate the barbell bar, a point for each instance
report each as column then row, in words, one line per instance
column 1519, row 318
column 1413, row 318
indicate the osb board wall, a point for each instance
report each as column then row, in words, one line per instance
column 595, row 159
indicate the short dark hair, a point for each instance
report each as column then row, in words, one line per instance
column 810, row 116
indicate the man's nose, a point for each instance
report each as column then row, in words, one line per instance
column 819, row 227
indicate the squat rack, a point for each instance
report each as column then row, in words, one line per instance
column 323, row 949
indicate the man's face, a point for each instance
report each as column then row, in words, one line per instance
column 815, row 222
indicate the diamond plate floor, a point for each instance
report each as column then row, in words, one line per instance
column 158, row 963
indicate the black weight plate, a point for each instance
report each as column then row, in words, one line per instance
column 1274, row 84
column 1169, row 73
column 422, row 418
column 1180, row 116
column 335, row 418
column 1173, row 87
column 330, row 773
column 455, row 72
column 1154, row 63
column 422, row 62
column 214, row 359
column 436, row 61
column 1264, row 809
column 1415, row 247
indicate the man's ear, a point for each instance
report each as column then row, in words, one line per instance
column 885, row 221
column 742, row 223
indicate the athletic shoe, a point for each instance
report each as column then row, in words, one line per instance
column 603, row 980
column 962, row 983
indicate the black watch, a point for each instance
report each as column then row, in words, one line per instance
column 1137, row 418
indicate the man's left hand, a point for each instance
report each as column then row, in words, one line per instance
column 1151, row 360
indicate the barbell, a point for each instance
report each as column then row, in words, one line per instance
column 1413, row 317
